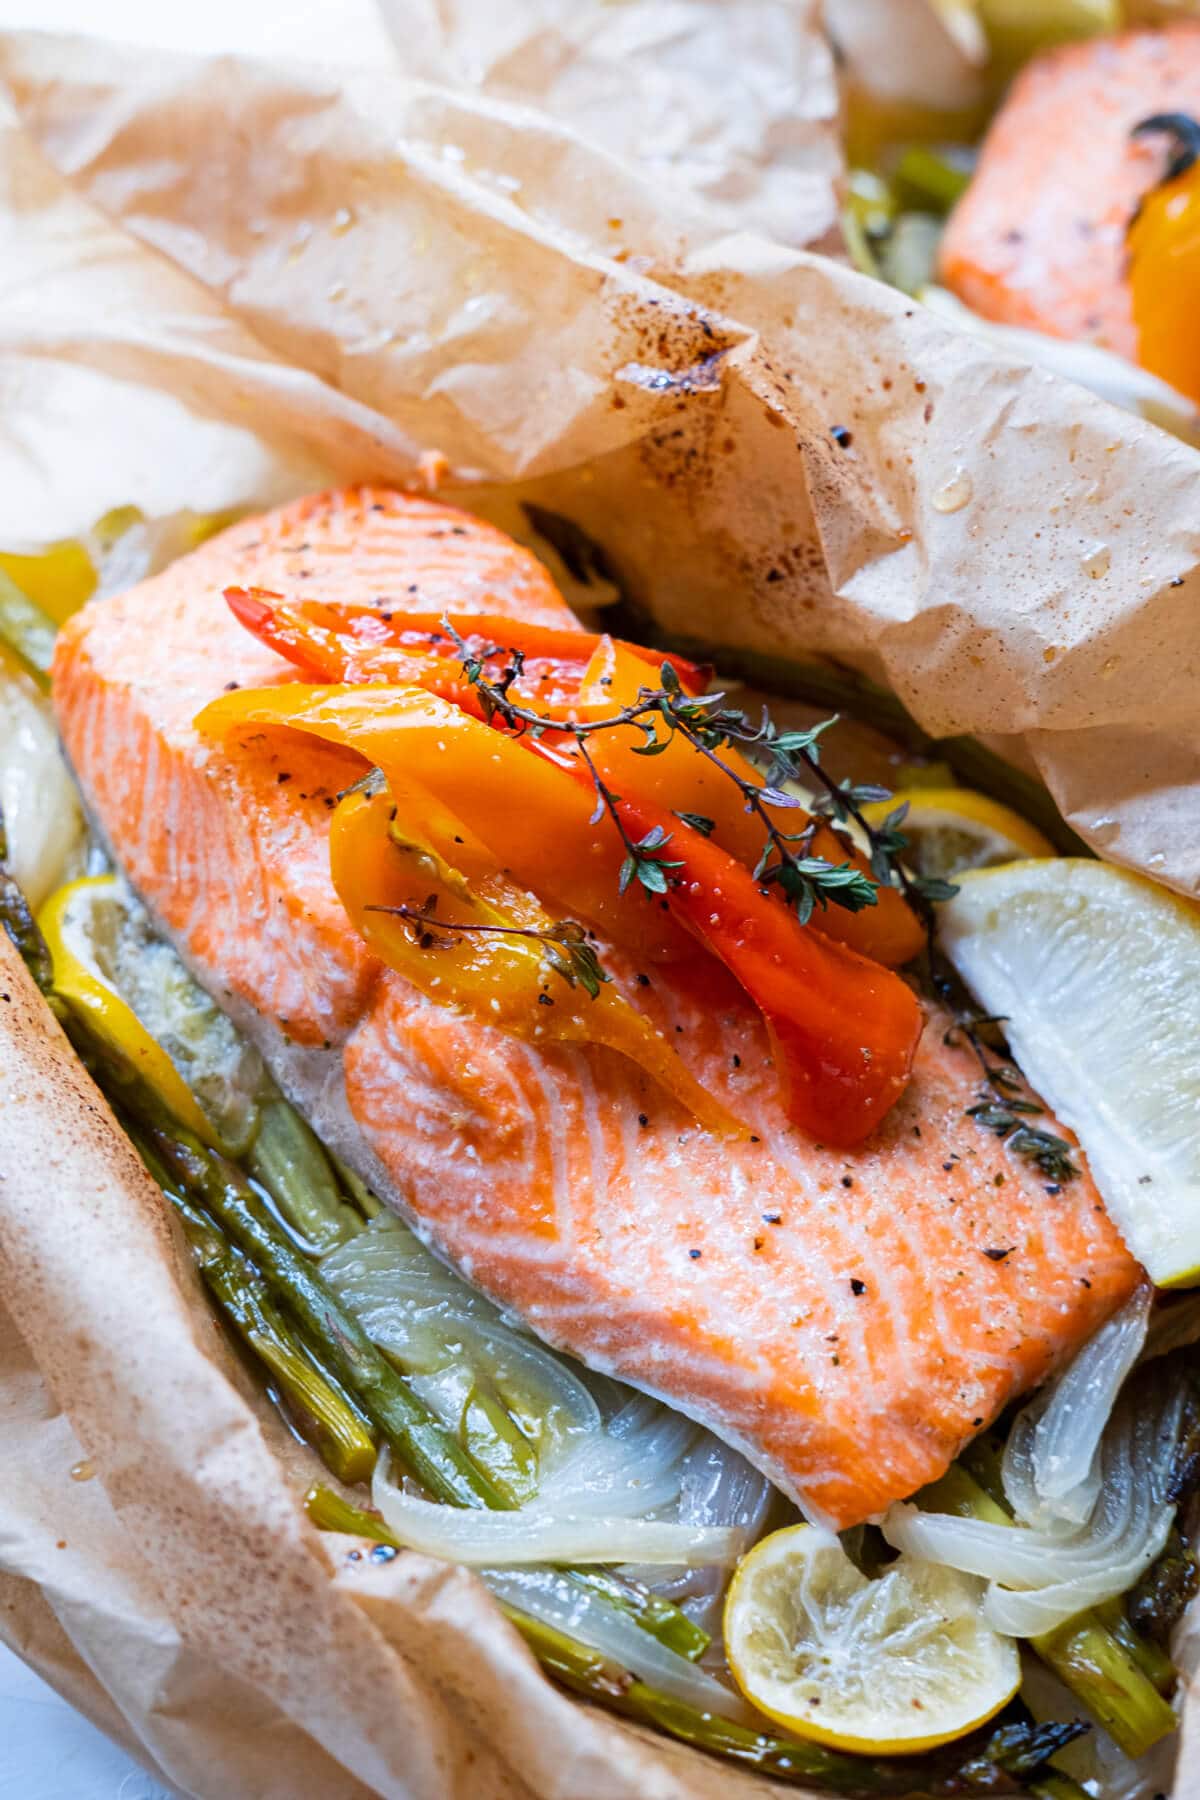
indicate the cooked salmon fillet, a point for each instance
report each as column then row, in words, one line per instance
column 848, row 1319
column 1039, row 237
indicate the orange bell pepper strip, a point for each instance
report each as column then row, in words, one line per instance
column 845, row 1029
column 683, row 780
column 346, row 643
column 478, row 949
column 1164, row 260
column 487, row 801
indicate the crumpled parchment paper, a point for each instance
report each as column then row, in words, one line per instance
column 223, row 282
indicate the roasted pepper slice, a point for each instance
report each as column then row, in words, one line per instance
column 476, row 946
column 346, row 643
column 1164, row 260
column 683, row 780
column 488, row 802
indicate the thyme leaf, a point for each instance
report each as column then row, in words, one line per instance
column 564, row 944
column 1004, row 1106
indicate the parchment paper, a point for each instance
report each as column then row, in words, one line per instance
column 223, row 282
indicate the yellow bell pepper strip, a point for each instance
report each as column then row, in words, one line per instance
column 346, row 643
column 59, row 578
column 845, row 1028
column 478, row 947
column 682, row 779
column 79, row 980
column 1164, row 260
column 510, row 809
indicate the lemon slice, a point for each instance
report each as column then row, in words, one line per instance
column 1098, row 973
column 951, row 829
column 80, row 922
column 882, row 1667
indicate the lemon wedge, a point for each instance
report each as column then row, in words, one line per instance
column 79, row 923
column 1097, row 972
column 882, row 1667
column 951, row 829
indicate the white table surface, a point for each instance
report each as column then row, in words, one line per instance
column 47, row 1750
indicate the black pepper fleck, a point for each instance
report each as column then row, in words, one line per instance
column 695, row 1255
column 999, row 1255
column 856, row 1286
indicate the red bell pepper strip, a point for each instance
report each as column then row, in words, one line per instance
column 844, row 1029
column 346, row 643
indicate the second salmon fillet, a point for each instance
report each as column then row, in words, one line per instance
column 849, row 1320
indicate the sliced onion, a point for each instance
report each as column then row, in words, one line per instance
column 634, row 1466
column 419, row 1311
column 40, row 805
column 542, row 1532
column 1052, row 1458
column 551, row 1596
column 1040, row 1578
column 717, row 1487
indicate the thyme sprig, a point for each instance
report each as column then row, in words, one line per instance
column 1004, row 1106
column 564, row 944
column 710, row 726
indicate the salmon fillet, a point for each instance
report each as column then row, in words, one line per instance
column 845, row 1318
column 1038, row 239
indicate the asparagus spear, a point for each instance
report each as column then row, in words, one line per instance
column 661, row 1618
column 343, row 1436
column 1149, row 1656
column 418, row 1438
column 1158, row 1601
column 357, row 1188
column 287, row 1157
column 17, row 918
column 1083, row 1652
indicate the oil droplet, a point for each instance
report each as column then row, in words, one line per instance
column 1097, row 561
column 955, row 493
column 1109, row 667
column 1049, row 653
column 343, row 219
column 82, row 1471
